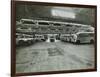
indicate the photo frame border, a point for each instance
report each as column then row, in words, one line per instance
column 13, row 42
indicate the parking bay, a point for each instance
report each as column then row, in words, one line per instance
column 54, row 56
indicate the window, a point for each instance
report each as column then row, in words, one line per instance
column 57, row 24
column 24, row 28
column 86, row 34
column 43, row 23
column 28, row 22
column 91, row 34
column 69, row 25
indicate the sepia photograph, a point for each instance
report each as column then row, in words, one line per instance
column 51, row 37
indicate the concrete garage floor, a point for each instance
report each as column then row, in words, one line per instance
column 54, row 56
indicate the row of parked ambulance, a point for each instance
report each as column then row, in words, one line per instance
column 26, row 39
column 79, row 37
